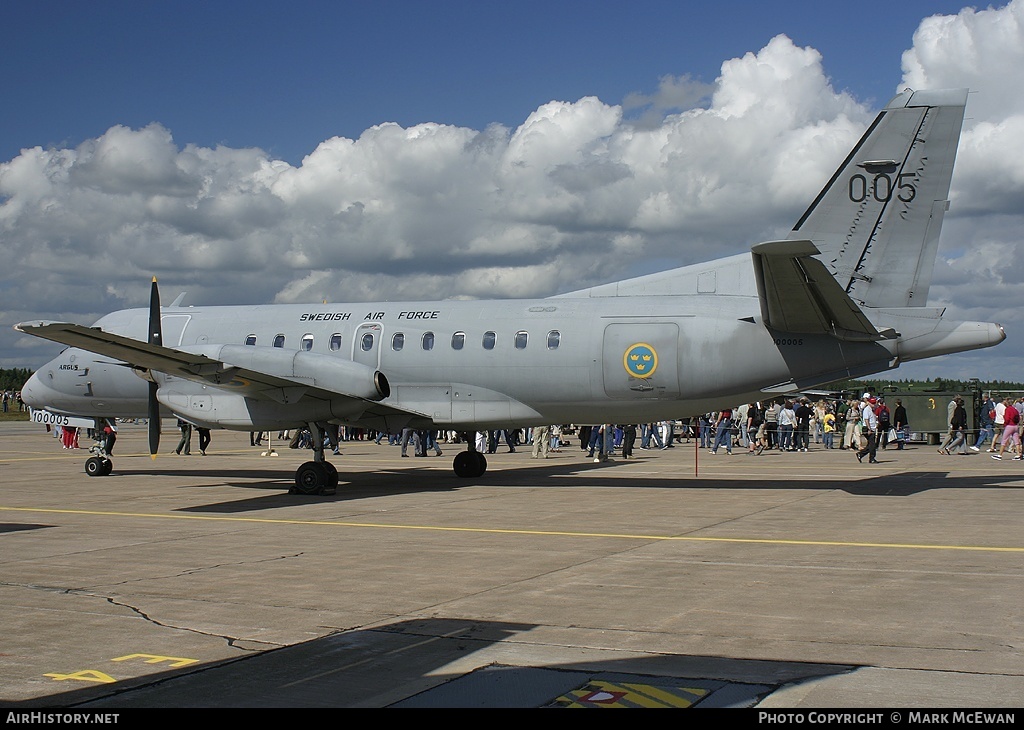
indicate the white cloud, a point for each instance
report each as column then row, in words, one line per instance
column 580, row 193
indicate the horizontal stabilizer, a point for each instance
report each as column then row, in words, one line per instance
column 798, row 294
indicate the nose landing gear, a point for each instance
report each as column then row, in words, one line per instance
column 99, row 465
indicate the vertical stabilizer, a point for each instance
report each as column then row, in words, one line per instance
column 877, row 221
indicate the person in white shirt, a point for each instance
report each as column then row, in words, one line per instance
column 997, row 437
column 869, row 422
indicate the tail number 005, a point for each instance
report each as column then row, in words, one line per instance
column 881, row 187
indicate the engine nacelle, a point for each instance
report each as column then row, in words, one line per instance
column 215, row 405
column 343, row 377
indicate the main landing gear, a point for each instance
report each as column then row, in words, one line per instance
column 469, row 463
column 318, row 476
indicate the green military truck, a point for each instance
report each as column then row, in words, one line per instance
column 928, row 412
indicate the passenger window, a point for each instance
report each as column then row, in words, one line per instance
column 521, row 338
column 279, row 341
column 335, row 342
column 398, row 341
column 489, row 340
column 458, row 340
column 366, row 343
column 554, row 336
column 250, row 340
column 307, row 342
column 428, row 340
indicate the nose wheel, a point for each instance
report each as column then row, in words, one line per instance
column 98, row 466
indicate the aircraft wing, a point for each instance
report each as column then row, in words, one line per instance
column 197, row 366
column 799, row 295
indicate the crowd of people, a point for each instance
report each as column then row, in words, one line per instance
column 862, row 425
column 11, row 400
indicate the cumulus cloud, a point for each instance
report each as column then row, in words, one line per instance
column 582, row 192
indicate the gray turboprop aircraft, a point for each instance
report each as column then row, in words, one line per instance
column 843, row 296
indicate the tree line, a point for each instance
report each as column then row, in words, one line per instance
column 14, row 378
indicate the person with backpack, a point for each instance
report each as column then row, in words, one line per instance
column 884, row 422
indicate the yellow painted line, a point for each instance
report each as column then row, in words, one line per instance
column 600, row 693
column 547, row 533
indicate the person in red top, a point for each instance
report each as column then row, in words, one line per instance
column 723, row 432
column 1011, row 421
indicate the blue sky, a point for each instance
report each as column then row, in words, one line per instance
column 258, row 152
column 285, row 76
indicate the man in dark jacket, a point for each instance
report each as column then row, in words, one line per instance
column 986, row 420
column 901, row 424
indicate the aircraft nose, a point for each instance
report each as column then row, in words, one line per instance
column 33, row 392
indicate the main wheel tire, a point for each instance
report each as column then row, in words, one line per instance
column 94, row 466
column 108, row 466
column 332, row 478
column 469, row 464
column 481, row 464
column 463, row 464
column 311, row 478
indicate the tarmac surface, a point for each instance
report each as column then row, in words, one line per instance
column 675, row 579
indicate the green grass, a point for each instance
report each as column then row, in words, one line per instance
column 13, row 416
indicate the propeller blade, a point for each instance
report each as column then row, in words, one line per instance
column 154, row 421
column 155, row 338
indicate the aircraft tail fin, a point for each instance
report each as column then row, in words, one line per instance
column 877, row 221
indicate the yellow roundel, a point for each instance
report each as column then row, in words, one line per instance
column 640, row 360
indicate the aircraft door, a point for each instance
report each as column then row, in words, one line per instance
column 640, row 360
column 172, row 328
column 366, row 345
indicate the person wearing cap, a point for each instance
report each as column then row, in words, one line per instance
column 869, row 427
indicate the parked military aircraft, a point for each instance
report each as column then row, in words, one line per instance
column 843, row 296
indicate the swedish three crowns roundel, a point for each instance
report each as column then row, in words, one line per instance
column 640, row 360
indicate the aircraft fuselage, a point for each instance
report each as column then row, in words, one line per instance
column 473, row 363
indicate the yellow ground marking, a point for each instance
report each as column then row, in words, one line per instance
column 614, row 694
column 174, row 661
column 501, row 531
column 86, row 675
